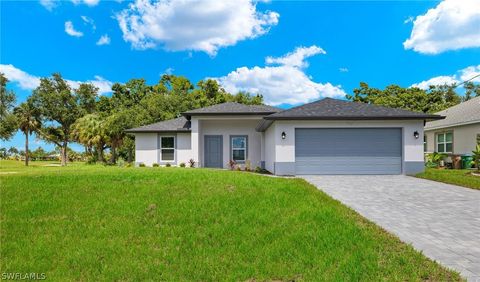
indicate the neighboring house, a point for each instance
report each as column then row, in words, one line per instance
column 458, row 133
column 324, row 137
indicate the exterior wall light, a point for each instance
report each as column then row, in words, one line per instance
column 416, row 134
column 284, row 135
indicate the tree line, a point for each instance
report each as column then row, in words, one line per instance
column 60, row 115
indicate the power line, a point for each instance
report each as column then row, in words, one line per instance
column 467, row 80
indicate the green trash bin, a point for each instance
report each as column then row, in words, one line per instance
column 467, row 161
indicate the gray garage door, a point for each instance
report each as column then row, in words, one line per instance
column 348, row 151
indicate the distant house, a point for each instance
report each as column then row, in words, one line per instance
column 324, row 137
column 458, row 133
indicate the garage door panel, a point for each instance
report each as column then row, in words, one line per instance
column 348, row 151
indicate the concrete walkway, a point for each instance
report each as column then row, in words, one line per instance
column 441, row 220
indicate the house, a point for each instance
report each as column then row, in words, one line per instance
column 458, row 133
column 328, row 136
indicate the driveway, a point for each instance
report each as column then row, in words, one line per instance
column 441, row 220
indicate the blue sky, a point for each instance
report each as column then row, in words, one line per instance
column 291, row 52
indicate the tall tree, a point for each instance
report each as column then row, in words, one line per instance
column 471, row 90
column 60, row 107
column 435, row 99
column 90, row 131
column 28, row 121
column 8, row 124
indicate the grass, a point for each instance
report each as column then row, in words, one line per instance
column 109, row 223
column 461, row 177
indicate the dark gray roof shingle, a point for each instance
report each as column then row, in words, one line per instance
column 333, row 109
column 180, row 124
column 234, row 108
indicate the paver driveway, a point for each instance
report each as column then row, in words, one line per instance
column 441, row 220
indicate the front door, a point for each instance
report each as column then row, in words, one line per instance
column 213, row 153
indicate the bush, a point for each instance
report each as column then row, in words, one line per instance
column 91, row 160
column 248, row 165
column 128, row 165
column 155, row 165
column 232, row 164
column 182, row 165
column 120, row 162
column 168, row 165
column 141, row 165
column 191, row 162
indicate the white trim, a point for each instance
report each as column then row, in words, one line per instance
column 168, row 148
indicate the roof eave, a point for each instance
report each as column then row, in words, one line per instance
column 429, row 117
column 156, row 131
column 187, row 114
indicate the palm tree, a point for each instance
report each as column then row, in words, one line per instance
column 28, row 121
column 90, row 131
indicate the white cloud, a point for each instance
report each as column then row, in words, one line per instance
column 438, row 80
column 29, row 82
column 469, row 73
column 104, row 40
column 459, row 77
column 343, row 69
column 205, row 25
column 89, row 21
column 70, row 30
column 90, row 3
column 297, row 57
column 24, row 80
column 48, row 4
column 286, row 83
column 451, row 25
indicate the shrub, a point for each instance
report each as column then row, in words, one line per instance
column 191, row 162
column 232, row 164
column 120, row 162
column 434, row 159
column 248, row 165
column 91, row 160
column 258, row 169
column 239, row 168
column 155, row 165
column 141, row 165
column 168, row 165
column 128, row 165
column 476, row 156
column 182, row 164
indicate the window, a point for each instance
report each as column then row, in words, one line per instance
column 167, row 148
column 445, row 142
column 238, row 145
column 424, row 143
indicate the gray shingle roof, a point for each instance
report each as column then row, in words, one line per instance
column 234, row 108
column 333, row 109
column 180, row 124
column 464, row 113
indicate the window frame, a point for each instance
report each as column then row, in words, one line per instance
column 167, row 148
column 245, row 149
column 444, row 142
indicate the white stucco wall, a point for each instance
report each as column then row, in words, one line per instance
column 270, row 148
column 232, row 126
column 285, row 148
column 464, row 138
column 184, row 148
column 146, row 148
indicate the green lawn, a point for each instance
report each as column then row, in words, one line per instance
column 452, row 176
column 108, row 223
